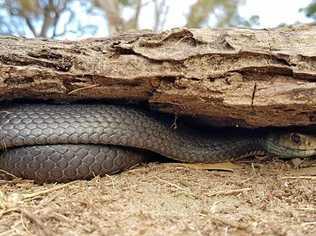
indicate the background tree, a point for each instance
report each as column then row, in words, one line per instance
column 224, row 12
column 38, row 17
column 57, row 18
column 310, row 10
column 42, row 18
column 113, row 11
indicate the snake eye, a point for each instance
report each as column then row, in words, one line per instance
column 296, row 138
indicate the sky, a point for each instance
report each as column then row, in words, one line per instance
column 274, row 12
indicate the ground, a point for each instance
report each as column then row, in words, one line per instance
column 259, row 198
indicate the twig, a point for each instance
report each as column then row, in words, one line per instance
column 61, row 218
column 171, row 184
column 8, row 232
column 83, row 88
column 246, row 180
column 15, row 181
column 229, row 192
column 31, row 217
column 32, row 195
column 300, row 177
column 8, row 174
column 306, row 209
column 309, row 223
column 23, row 225
column 37, row 221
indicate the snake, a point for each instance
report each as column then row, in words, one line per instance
column 66, row 142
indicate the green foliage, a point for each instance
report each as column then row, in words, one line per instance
column 126, row 2
column 310, row 10
column 251, row 22
column 28, row 6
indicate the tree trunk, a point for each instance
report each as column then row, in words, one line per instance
column 247, row 77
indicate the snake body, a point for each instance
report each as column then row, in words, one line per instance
column 60, row 143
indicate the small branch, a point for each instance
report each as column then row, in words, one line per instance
column 83, row 88
column 300, row 177
column 30, row 25
column 171, row 184
column 46, row 191
column 230, row 192
column 47, row 19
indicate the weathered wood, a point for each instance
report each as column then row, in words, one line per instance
column 248, row 77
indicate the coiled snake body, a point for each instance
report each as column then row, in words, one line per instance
column 60, row 143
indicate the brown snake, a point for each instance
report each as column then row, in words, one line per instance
column 60, row 143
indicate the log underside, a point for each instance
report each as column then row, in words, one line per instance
column 244, row 77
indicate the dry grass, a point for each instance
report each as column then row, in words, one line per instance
column 167, row 199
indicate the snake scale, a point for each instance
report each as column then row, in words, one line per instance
column 60, row 143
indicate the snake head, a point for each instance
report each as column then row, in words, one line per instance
column 291, row 144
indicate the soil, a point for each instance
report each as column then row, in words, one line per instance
column 255, row 198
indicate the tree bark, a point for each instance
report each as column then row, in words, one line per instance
column 247, row 77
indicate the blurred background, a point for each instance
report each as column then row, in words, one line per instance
column 73, row 19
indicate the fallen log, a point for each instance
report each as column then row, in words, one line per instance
column 246, row 77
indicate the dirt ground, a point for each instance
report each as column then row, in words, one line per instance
column 260, row 198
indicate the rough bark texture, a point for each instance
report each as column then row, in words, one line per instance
column 247, row 77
